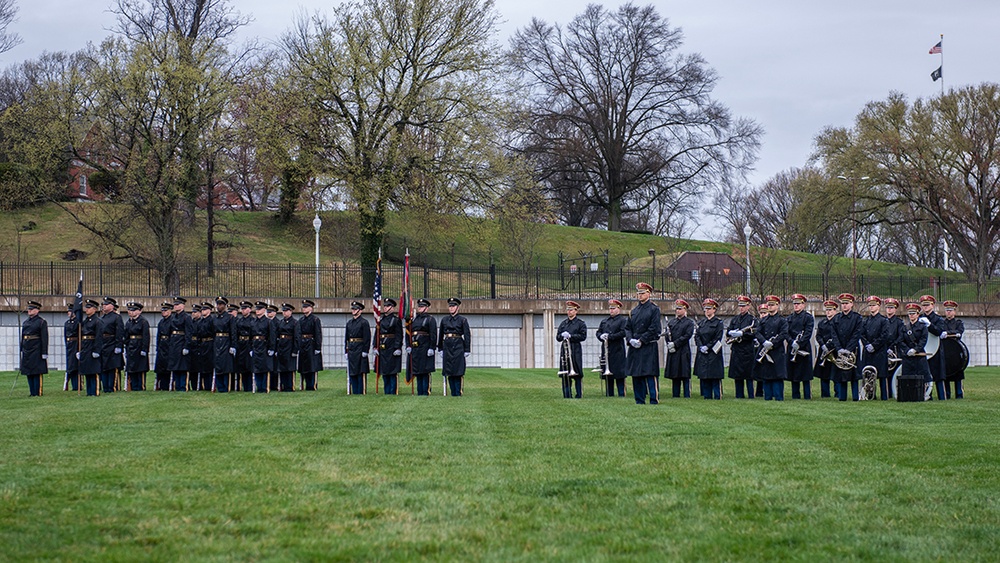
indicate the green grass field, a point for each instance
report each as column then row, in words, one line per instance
column 510, row 471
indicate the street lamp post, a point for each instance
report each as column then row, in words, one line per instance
column 854, row 229
column 317, row 223
column 747, row 231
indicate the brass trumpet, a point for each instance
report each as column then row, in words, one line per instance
column 566, row 361
column 747, row 331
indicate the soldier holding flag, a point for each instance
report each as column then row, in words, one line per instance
column 423, row 332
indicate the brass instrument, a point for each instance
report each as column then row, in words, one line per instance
column 795, row 351
column 845, row 360
column 566, row 361
column 666, row 347
column 607, row 363
column 747, row 331
column 894, row 360
column 869, row 377
column 602, row 367
column 764, row 355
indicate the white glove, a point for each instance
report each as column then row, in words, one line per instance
column 735, row 333
column 118, row 350
column 430, row 352
column 703, row 349
column 635, row 343
column 603, row 336
column 671, row 347
column 397, row 352
column 409, row 350
column 232, row 351
column 316, row 352
column 270, row 352
column 842, row 351
column 944, row 335
column 565, row 335
column 345, row 355
column 95, row 355
column 251, row 353
column 45, row 356
column 78, row 355
column 768, row 345
column 364, row 354
column 467, row 354
column 184, row 352
column 869, row 348
column 142, row 353
column 924, row 321
column 911, row 352
column 295, row 354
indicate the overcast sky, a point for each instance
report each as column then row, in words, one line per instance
column 795, row 67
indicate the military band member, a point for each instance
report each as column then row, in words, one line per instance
column 935, row 325
column 309, row 343
column 181, row 343
column 421, row 349
column 34, row 348
column 262, row 342
column 286, row 355
column 161, row 366
column 772, row 364
column 224, row 336
column 677, row 354
column 642, row 331
column 113, row 339
column 741, row 353
column 244, row 362
column 708, row 339
column 390, row 347
column 136, row 347
column 826, row 337
column 912, row 339
column 357, row 342
column 206, row 349
column 953, row 328
column 611, row 332
column 571, row 332
column 762, row 313
column 272, row 378
column 847, row 327
column 454, row 343
column 71, row 329
column 800, row 333
column 195, row 366
column 90, row 347
column 874, row 337
column 892, row 324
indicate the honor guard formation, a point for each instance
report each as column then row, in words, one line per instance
column 250, row 347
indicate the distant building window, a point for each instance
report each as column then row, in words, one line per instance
column 83, row 184
column 695, row 275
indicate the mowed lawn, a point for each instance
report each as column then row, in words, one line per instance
column 510, row 471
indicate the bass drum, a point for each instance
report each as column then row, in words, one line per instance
column 956, row 356
column 933, row 343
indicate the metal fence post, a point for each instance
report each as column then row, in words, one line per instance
column 493, row 281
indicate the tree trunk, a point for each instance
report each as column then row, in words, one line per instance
column 372, row 230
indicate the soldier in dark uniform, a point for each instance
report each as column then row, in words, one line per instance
column 224, row 335
column 873, row 337
column 772, row 367
column 34, row 348
column 195, row 363
column 136, row 347
column 181, row 343
column 454, row 343
column 912, row 339
column 90, row 347
column 709, row 365
column 262, row 342
column 847, row 326
column 390, row 347
column 273, row 378
column 71, row 329
column 206, row 348
column 571, row 332
column 161, row 367
column 741, row 353
column 286, row 355
column 763, row 313
column 244, row 365
column 113, row 338
column 423, row 334
column 357, row 342
column 800, row 334
column 953, row 328
column 611, row 332
column 826, row 337
column 309, row 342
column 680, row 330
column 935, row 325
column 892, row 324
column 643, row 333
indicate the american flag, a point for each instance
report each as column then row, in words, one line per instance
column 935, row 50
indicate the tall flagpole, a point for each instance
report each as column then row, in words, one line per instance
column 942, row 64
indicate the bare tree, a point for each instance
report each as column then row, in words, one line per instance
column 8, row 15
column 615, row 99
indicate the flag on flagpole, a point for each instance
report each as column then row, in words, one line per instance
column 78, row 298
column 935, row 50
column 377, row 311
column 406, row 310
column 936, row 74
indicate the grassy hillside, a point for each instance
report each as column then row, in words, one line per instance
column 45, row 233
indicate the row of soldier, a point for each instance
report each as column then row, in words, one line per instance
column 766, row 350
column 233, row 347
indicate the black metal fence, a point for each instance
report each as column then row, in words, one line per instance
column 347, row 281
